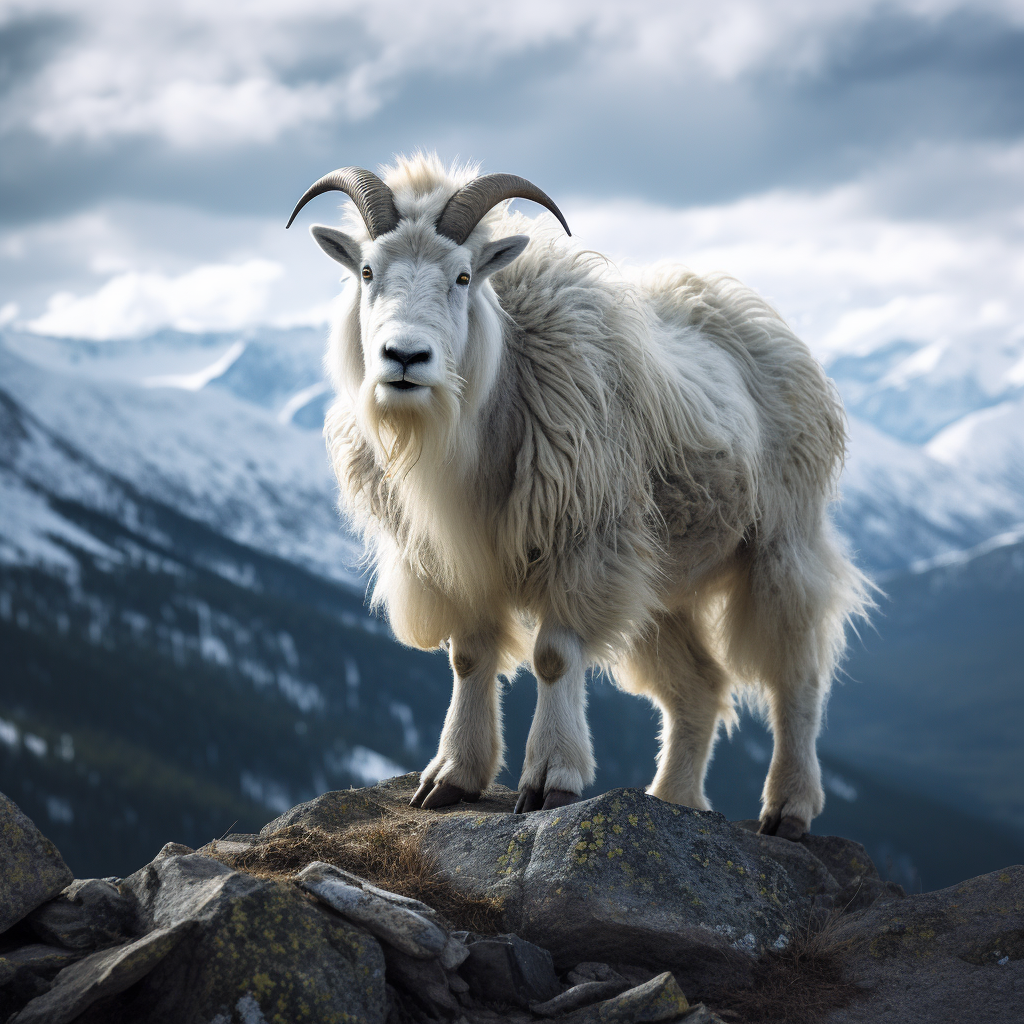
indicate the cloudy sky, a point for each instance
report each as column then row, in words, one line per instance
column 861, row 163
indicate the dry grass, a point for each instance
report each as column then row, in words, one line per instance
column 386, row 852
column 800, row 984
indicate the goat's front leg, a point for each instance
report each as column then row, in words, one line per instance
column 470, row 752
column 559, row 756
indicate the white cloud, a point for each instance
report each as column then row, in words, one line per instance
column 214, row 297
column 846, row 275
column 200, row 74
column 843, row 269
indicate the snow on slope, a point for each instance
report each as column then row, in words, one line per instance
column 221, row 440
column 209, row 454
column 989, row 443
column 900, row 505
column 913, row 390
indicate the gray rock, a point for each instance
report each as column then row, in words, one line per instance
column 848, row 862
column 42, row 960
column 259, row 943
column 98, row 976
column 454, row 953
column 627, row 878
column 861, row 894
column 956, row 954
column 31, row 869
column 173, row 850
column 388, row 916
column 700, row 1014
column 89, row 914
column 425, row 980
column 589, row 971
column 18, row 985
column 335, row 810
column 660, row 999
column 583, row 994
column 391, row 897
column 508, row 969
column 224, row 848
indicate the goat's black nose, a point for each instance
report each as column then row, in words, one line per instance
column 407, row 357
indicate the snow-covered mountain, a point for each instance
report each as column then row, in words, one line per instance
column 936, row 453
column 226, row 428
column 192, row 422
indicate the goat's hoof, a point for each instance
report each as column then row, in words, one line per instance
column 424, row 788
column 529, row 800
column 536, row 800
column 559, row 798
column 786, row 827
column 443, row 794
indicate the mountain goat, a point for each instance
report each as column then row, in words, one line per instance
column 551, row 463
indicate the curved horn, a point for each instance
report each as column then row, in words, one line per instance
column 374, row 200
column 467, row 207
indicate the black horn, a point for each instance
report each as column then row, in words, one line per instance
column 374, row 200
column 467, row 207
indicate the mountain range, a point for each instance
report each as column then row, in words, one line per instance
column 186, row 644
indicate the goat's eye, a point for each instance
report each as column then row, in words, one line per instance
column 463, row 278
column 367, row 274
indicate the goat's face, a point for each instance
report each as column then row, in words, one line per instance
column 419, row 295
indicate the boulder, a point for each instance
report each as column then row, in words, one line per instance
column 98, row 977
column 401, row 922
column 31, row 869
column 253, row 947
column 660, row 999
column 42, row 960
column 956, row 954
column 507, row 969
column 583, row 994
column 89, row 914
column 626, row 878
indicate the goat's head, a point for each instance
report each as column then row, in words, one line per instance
column 422, row 278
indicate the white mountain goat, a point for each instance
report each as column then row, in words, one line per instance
column 553, row 464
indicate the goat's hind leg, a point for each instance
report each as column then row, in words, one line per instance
column 559, row 761
column 674, row 668
column 792, row 795
column 470, row 752
column 788, row 633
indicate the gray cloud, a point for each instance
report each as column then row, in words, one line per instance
column 551, row 111
column 30, row 43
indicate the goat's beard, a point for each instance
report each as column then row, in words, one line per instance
column 411, row 436
column 422, row 451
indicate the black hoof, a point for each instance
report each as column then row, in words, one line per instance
column 424, row 788
column 786, row 827
column 529, row 800
column 559, row 798
column 430, row 796
column 535, row 800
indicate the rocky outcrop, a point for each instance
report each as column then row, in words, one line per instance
column 356, row 907
column 31, row 869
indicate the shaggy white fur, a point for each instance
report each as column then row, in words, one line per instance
column 554, row 463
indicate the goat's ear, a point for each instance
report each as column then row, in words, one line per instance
column 496, row 255
column 338, row 246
